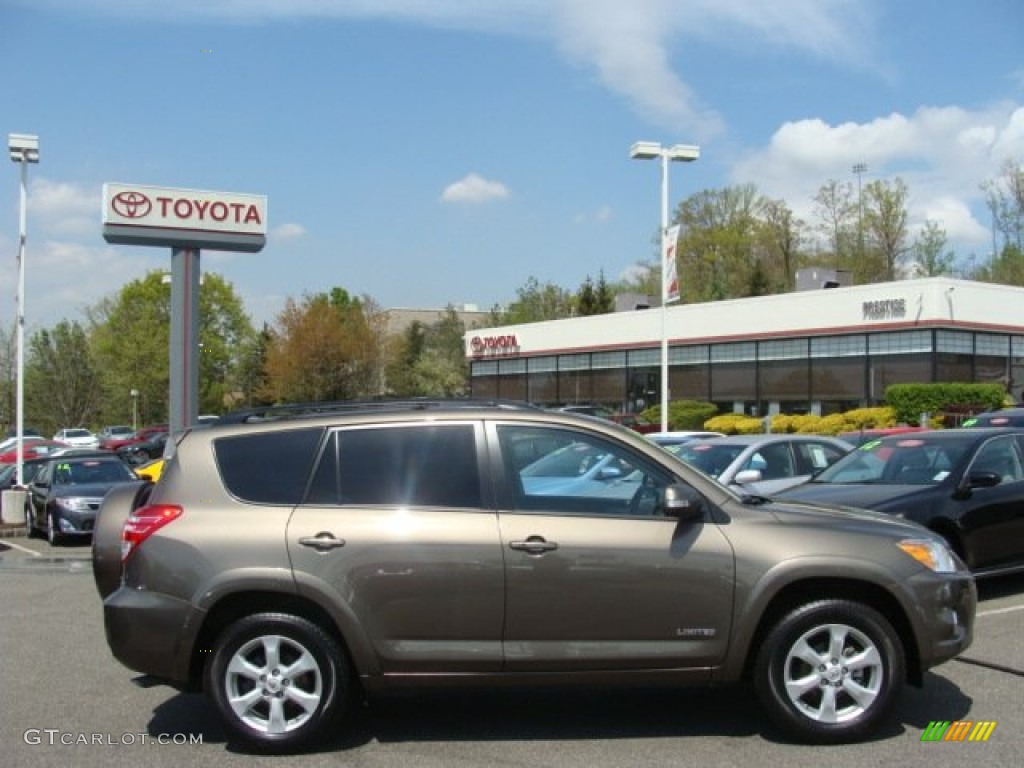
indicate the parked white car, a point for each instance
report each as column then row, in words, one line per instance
column 78, row 438
column 763, row 464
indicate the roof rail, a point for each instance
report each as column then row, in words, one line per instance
column 309, row 410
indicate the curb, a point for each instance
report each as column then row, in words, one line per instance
column 13, row 531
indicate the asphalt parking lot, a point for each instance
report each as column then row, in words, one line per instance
column 65, row 701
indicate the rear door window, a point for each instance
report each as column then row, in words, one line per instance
column 410, row 465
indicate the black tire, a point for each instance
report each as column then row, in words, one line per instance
column 53, row 534
column 30, row 521
column 325, row 685
column 847, row 691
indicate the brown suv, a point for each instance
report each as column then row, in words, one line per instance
column 289, row 560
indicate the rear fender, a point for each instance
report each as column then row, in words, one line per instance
column 118, row 504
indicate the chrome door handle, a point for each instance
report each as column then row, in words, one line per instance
column 322, row 542
column 534, row 545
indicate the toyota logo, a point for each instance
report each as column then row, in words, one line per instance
column 131, row 205
column 477, row 344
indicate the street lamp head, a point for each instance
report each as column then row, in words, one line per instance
column 683, row 152
column 24, row 148
column 645, row 150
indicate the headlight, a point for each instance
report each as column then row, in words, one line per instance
column 932, row 554
column 75, row 503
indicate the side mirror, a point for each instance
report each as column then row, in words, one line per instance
column 983, row 479
column 684, row 503
column 609, row 473
column 748, row 476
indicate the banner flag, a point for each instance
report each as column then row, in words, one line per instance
column 669, row 270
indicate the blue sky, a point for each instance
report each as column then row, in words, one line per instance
column 426, row 152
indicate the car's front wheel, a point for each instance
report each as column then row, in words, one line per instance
column 829, row 671
column 279, row 681
column 53, row 534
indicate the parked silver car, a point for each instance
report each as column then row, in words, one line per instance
column 763, row 464
column 290, row 561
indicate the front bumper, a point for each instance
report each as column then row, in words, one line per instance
column 945, row 606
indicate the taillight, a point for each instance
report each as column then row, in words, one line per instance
column 143, row 523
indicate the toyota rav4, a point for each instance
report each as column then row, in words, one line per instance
column 290, row 560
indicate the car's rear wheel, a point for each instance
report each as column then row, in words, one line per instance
column 830, row 671
column 279, row 681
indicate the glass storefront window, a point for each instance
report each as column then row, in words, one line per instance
column 610, row 388
column 689, row 382
column 574, row 387
column 543, row 388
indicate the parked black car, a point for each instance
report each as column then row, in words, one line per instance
column 140, row 453
column 66, row 492
column 965, row 484
column 1006, row 417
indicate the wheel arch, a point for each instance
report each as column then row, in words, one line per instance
column 237, row 605
column 810, row 590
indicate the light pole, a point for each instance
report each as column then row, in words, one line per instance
column 135, row 410
column 24, row 149
column 649, row 150
column 860, row 169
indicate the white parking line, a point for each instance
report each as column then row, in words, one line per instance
column 10, row 543
column 995, row 611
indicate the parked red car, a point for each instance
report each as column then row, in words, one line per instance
column 636, row 422
column 31, row 450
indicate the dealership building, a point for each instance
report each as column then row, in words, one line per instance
column 813, row 351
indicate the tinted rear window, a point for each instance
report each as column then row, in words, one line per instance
column 270, row 467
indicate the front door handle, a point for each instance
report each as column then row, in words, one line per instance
column 322, row 542
column 534, row 545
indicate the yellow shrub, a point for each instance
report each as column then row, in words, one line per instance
column 866, row 418
column 726, row 423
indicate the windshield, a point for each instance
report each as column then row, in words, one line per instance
column 710, row 458
column 898, row 461
column 77, row 433
column 81, row 473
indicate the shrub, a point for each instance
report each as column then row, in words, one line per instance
column 909, row 401
column 683, row 414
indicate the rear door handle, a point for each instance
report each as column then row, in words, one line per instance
column 322, row 542
column 534, row 545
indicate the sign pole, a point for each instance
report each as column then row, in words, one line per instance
column 184, row 384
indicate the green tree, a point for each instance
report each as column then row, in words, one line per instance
column 931, row 258
column 430, row 359
column 61, row 379
column 781, row 237
column 535, row 302
column 837, row 221
column 1006, row 269
column 130, row 332
column 604, row 295
column 8, row 376
column 885, row 225
column 716, row 252
column 1005, row 198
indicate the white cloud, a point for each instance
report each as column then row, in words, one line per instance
column 600, row 216
column 63, row 208
column 288, row 231
column 474, row 189
column 63, row 279
column 944, row 154
column 630, row 46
